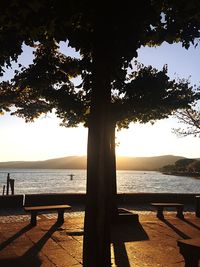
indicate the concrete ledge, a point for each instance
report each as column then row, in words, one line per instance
column 16, row 201
column 11, row 201
column 53, row 199
column 146, row 198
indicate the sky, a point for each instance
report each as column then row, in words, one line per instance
column 45, row 139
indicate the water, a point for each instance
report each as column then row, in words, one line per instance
column 59, row 181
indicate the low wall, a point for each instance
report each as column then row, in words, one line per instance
column 131, row 198
column 53, row 199
column 11, row 201
column 17, row 201
column 146, row 198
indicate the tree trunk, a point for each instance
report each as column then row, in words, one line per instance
column 114, row 209
column 96, row 243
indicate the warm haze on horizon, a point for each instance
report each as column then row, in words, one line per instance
column 45, row 139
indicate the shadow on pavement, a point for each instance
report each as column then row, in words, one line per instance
column 125, row 232
column 15, row 236
column 21, row 262
column 30, row 258
column 175, row 229
column 191, row 224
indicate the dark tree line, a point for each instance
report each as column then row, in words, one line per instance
column 183, row 166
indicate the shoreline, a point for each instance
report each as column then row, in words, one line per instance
column 184, row 174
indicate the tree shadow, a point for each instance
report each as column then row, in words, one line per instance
column 125, row 232
column 175, row 229
column 30, row 257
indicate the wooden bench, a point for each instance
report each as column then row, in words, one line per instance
column 34, row 210
column 190, row 250
column 160, row 207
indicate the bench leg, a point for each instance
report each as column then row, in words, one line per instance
column 160, row 213
column 180, row 212
column 60, row 216
column 34, row 218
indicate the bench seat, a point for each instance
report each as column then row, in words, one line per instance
column 190, row 250
column 160, row 207
column 34, row 210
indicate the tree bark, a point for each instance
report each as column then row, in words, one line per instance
column 96, row 243
column 113, row 177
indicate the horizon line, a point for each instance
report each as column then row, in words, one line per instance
column 118, row 156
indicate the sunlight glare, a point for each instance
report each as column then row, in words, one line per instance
column 145, row 140
column 41, row 140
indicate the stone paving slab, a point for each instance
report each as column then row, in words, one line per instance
column 151, row 243
column 43, row 245
column 154, row 242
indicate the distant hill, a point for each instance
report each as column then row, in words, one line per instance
column 79, row 162
column 145, row 163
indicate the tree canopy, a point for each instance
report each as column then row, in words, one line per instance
column 190, row 118
column 87, row 25
column 117, row 30
column 146, row 95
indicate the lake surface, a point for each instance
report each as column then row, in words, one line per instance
column 59, row 181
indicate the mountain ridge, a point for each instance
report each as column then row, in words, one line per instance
column 79, row 162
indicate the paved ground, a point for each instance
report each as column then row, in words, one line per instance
column 150, row 243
